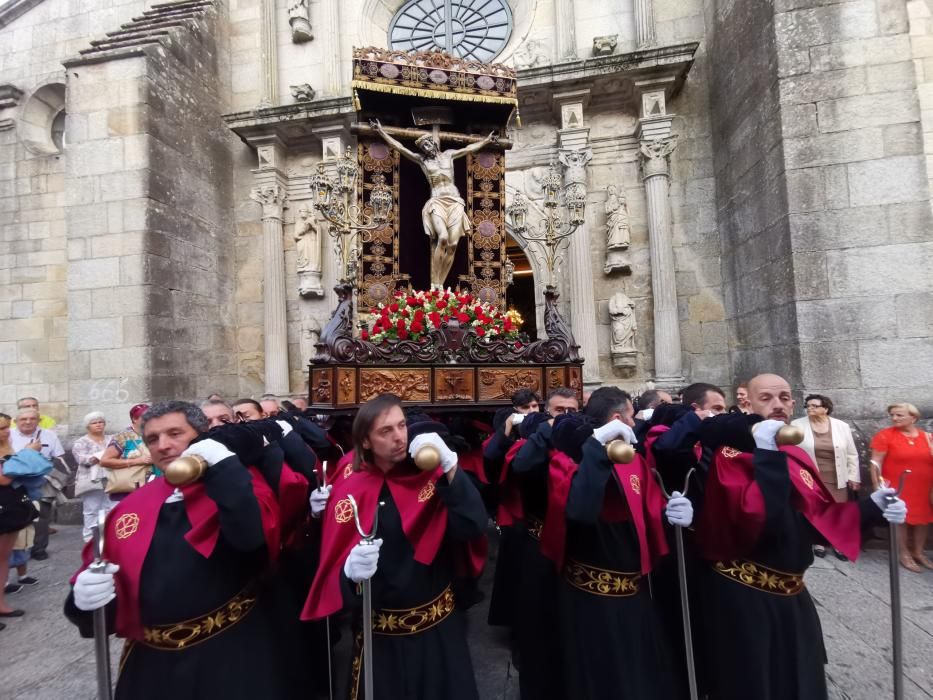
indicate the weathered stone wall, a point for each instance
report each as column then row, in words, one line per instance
column 33, row 267
column 148, row 224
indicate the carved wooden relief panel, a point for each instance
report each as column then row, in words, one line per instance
column 322, row 388
column 556, row 377
column 407, row 384
column 575, row 381
column 495, row 384
column 454, row 385
column 346, row 385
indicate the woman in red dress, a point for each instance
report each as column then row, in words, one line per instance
column 893, row 450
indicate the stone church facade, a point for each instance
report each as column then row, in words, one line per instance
column 756, row 176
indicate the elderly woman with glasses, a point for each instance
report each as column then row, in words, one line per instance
column 829, row 443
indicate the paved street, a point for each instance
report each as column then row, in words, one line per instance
column 44, row 658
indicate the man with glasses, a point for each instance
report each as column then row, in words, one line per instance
column 217, row 412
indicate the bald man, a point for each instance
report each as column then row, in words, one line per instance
column 764, row 507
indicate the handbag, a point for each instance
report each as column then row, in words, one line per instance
column 16, row 509
column 126, row 480
column 26, row 463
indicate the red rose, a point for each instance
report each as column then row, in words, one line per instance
column 518, row 345
column 435, row 318
column 508, row 324
column 419, row 314
column 478, row 310
column 393, row 307
column 400, row 324
column 402, row 334
column 413, row 301
column 405, row 313
column 463, row 318
column 416, row 327
column 480, row 331
column 467, row 299
column 385, row 312
column 442, row 304
column 365, row 335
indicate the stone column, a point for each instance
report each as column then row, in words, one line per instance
column 668, row 363
column 329, row 36
column 644, row 24
column 269, row 70
column 272, row 198
column 565, row 29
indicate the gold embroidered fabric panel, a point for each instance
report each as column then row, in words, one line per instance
column 414, row 620
column 604, row 582
column 184, row 635
column 378, row 271
column 761, row 577
column 486, row 207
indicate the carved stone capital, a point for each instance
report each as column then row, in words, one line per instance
column 271, row 198
column 655, row 154
column 575, row 162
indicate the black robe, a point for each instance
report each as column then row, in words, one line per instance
column 178, row 584
column 433, row 664
column 504, row 596
column 767, row 646
column 615, row 647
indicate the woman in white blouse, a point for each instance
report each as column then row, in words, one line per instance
column 91, row 479
column 829, row 443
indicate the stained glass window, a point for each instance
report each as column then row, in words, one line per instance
column 476, row 30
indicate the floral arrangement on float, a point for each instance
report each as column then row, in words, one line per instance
column 411, row 315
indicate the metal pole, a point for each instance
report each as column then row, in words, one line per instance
column 367, row 593
column 894, row 571
column 330, row 668
column 101, row 640
column 684, row 596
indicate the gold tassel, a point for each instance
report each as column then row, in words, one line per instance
column 356, row 101
column 436, row 94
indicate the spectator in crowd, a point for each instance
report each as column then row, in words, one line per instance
column 247, row 410
column 7, row 539
column 45, row 422
column 19, row 560
column 893, row 450
column 270, row 405
column 217, row 412
column 649, row 401
column 28, row 435
column 830, row 445
column 127, row 449
column 214, row 397
column 91, row 479
column 300, row 402
column 741, row 398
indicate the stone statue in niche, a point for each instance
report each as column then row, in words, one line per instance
column 308, row 246
column 618, row 235
column 310, row 335
column 444, row 214
column 299, row 21
column 622, row 345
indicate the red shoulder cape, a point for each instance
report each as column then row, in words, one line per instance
column 130, row 528
column 424, row 521
column 641, row 501
column 733, row 514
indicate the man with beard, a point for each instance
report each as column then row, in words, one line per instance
column 182, row 580
column 764, row 507
column 420, row 648
column 611, row 537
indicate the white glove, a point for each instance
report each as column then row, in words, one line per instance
column 209, row 450
column 448, row 456
column 363, row 561
column 647, row 413
column 765, row 433
column 894, row 511
column 517, row 419
column 285, row 426
column 95, row 590
column 679, row 510
column 319, row 500
column 615, row 429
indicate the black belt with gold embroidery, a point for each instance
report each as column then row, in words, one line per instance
column 604, row 582
column 534, row 527
column 760, row 577
column 390, row 621
column 179, row 636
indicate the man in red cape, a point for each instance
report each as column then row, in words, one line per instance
column 182, row 585
column 604, row 528
column 764, row 507
column 420, row 647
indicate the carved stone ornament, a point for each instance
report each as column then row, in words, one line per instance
column 605, row 45
column 618, row 234
column 271, row 198
column 302, row 93
column 299, row 22
column 622, row 344
column 575, row 162
column 654, row 156
column 308, row 339
column 308, row 245
column 531, row 54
